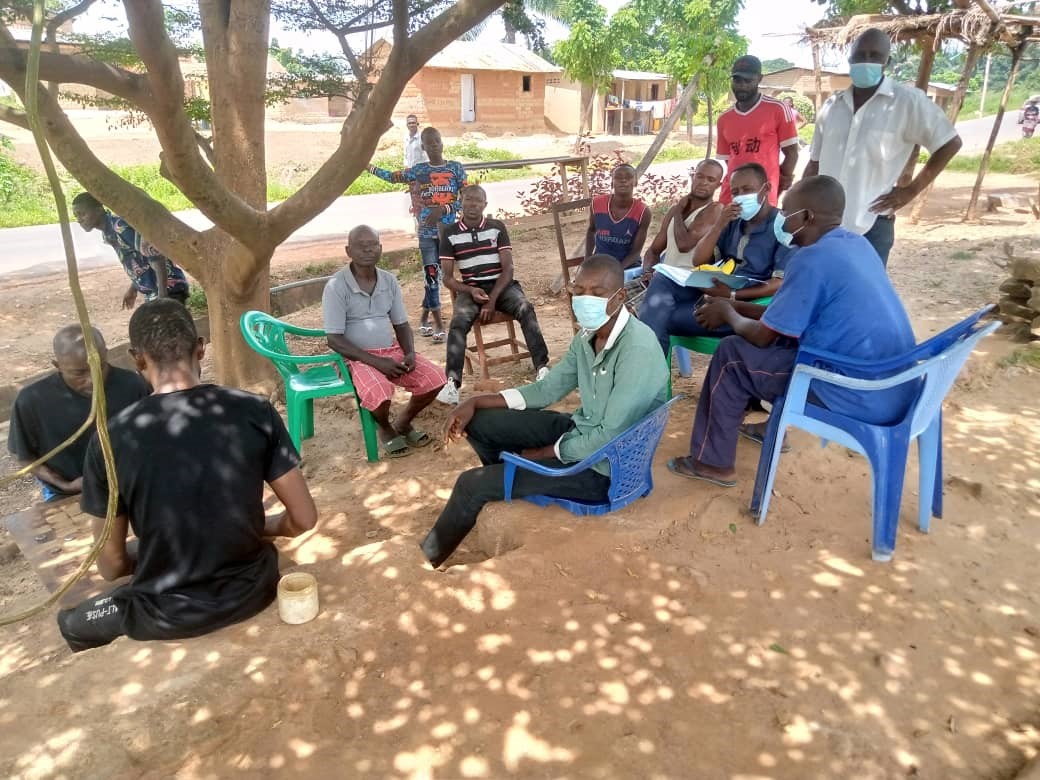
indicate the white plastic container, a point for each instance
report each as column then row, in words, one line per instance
column 297, row 598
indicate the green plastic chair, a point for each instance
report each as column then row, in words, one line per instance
column 704, row 345
column 327, row 375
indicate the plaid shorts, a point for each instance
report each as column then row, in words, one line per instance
column 375, row 388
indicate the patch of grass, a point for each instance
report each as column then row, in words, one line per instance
column 962, row 255
column 806, row 133
column 197, row 303
column 1019, row 94
column 1019, row 157
column 1025, row 357
column 314, row 270
column 680, row 152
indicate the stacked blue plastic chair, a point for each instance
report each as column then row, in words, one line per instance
column 934, row 365
column 630, row 455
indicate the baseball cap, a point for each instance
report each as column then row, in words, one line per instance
column 747, row 66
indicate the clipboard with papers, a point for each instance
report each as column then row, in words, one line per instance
column 686, row 277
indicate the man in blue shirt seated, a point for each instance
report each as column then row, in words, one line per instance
column 617, row 372
column 743, row 233
column 836, row 298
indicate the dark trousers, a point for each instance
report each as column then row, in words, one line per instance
column 739, row 371
column 491, row 432
column 668, row 310
column 882, row 236
column 513, row 302
column 92, row 623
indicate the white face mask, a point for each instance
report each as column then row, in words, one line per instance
column 591, row 310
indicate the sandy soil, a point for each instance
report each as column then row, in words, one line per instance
column 673, row 639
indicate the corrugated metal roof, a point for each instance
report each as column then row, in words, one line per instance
column 470, row 55
column 639, row 75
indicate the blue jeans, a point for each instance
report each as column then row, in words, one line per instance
column 429, row 248
column 49, row 492
column 881, row 236
column 668, row 310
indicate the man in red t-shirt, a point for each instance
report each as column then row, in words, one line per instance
column 758, row 129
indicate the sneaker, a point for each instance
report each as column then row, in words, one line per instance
column 425, row 330
column 542, row 373
column 449, row 394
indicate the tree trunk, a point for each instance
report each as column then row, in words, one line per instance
column 510, row 36
column 1016, row 60
column 711, row 124
column 924, row 75
column 817, row 80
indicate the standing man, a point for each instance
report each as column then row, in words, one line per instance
column 757, row 129
column 439, row 183
column 620, row 378
column 865, row 135
column 50, row 410
column 366, row 322
column 151, row 274
column 481, row 249
column 835, row 298
column 413, row 155
column 799, row 120
column 618, row 223
column 191, row 461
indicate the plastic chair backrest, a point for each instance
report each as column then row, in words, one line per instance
column 631, row 454
column 266, row 335
column 940, row 372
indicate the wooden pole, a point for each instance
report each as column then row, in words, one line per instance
column 971, row 59
column 669, row 123
column 1016, row 60
column 817, row 79
column 985, row 85
column 924, row 75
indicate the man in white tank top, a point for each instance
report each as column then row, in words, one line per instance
column 688, row 220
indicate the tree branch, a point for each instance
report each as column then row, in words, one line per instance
column 401, row 21
column 194, row 177
column 73, row 69
column 67, row 15
column 360, row 72
column 361, row 131
column 14, row 117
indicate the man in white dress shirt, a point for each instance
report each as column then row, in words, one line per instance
column 413, row 155
column 865, row 135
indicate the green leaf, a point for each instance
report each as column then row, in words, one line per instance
column 777, row 648
column 733, row 528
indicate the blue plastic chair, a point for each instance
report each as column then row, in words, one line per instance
column 630, row 455
column 934, row 365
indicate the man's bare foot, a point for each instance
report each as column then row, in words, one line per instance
column 693, row 469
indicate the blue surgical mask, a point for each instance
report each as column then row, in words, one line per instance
column 591, row 311
column 865, row 75
column 749, row 205
column 782, row 235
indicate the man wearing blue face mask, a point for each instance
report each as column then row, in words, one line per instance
column 743, row 233
column 835, row 298
column 620, row 377
column 865, row 135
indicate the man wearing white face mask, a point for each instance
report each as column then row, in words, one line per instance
column 620, row 377
column 865, row 135
column 835, row 298
column 743, row 233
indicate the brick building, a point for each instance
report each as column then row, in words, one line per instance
column 475, row 86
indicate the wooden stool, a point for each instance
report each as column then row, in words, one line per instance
column 518, row 349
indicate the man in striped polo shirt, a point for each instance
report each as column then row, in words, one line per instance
column 480, row 247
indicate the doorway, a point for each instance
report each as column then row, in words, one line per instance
column 469, row 98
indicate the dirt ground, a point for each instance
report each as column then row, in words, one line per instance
column 672, row 639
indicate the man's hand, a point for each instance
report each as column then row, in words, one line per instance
column 487, row 311
column 728, row 214
column 455, row 425
column 896, row 198
column 74, row 486
column 713, row 312
column 434, row 215
column 541, row 453
column 130, row 297
column 717, row 289
column 648, row 275
column 478, row 295
column 786, row 182
column 409, row 362
column 391, row 369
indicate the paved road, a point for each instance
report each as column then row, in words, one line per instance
column 38, row 250
column 975, row 132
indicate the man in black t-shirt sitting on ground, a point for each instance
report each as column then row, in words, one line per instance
column 50, row 410
column 191, row 460
column 480, row 247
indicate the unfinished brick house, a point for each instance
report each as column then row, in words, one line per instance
column 475, row 86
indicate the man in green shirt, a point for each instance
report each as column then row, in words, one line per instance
column 617, row 367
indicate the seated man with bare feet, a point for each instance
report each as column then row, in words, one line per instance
column 363, row 312
column 835, row 298
column 621, row 377
column 480, row 247
column 191, row 461
column 50, row 410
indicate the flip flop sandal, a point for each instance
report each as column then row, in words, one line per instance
column 425, row 330
column 396, row 447
column 439, row 337
column 417, row 438
column 674, row 468
column 751, row 434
